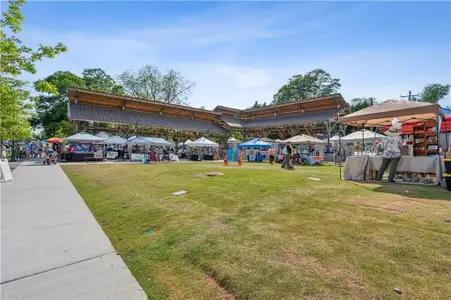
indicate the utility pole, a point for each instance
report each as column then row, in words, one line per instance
column 410, row 96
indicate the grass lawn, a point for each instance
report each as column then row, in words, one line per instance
column 260, row 232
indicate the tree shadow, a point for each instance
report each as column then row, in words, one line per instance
column 408, row 190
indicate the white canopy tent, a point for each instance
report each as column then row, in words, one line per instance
column 115, row 140
column 187, row 142
column 203, row 142
column 139, row 140
column 83, row 137
column 159, row 141
column 303, row 138
column 364, row 134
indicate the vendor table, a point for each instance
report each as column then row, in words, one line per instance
column 359, row 167
column 208, row 157
column 83, row 156
column 137, row 157
column 194, row 157
column 111, row 154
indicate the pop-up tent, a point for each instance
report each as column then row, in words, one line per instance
column 103, row 135
column 381, row 114
column 115, row 140
column 233, row 140
column 83, row 137
column 159, row 141
column 255, row 143
column 139, row 140
column 203, row 142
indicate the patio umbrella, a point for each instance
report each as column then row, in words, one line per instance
column 303, row 138
column 55, row 140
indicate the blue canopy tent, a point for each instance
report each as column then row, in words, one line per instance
column 255, row 143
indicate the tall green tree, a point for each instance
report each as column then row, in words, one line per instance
column 150, row 83
column 435, row 92
column 258, row 105
column 98, row 80
column 361, row 103
column 315, row 83
column 16, row 59
column 52, row 108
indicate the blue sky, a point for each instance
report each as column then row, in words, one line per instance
column 239, row 52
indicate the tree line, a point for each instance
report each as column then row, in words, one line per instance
column 20, row 112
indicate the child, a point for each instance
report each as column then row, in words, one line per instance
column 240, row 159
column 226, row 162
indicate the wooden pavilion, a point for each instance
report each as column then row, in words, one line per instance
column 131, row 115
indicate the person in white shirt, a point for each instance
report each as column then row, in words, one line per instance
column 392, row 151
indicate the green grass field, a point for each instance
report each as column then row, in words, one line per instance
column 260, row 232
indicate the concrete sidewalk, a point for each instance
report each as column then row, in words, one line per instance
column 51, row 245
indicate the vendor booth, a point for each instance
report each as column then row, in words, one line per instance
column 114, row 147
column 308, row 149
column 422, row 164
column 83, row 147
column 147, row 149
column 203, row 149
column 255, row 149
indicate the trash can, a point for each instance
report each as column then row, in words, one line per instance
column 448, row 165
column 448, row 181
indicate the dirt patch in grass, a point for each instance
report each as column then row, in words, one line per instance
column 223, row 293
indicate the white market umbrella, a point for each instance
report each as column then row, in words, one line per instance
column 303, row 138
column 335, row 138
column 366, row 134
column 233, row 140
column 203, row 142
column 83, row 137
column 102, row 135
column 187, row 142
column 115, row 140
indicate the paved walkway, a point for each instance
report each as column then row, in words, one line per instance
column 52, row 247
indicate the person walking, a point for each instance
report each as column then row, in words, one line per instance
column 392, row 152
column 287, row 152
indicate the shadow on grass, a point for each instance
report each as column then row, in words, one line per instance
column 409, row 190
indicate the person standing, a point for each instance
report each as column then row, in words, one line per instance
column 392, row 152
column 271, row 153
column 226, row 162
column 240, row 158
column 288, row 152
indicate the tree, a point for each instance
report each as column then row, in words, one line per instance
column 313, row 84
column 98, row 80
column 16, row 58
column 149, row 83
column 360, row 103
column 51, row 109
column 435, row 92
column 258, row 105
